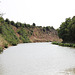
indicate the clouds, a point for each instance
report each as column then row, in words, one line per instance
column 42, row 12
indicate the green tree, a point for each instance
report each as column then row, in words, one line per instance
column 67, row 30
column 1, row 20
column 18, row 24
column 34, row 24
column 7, row 20
column 12, row 23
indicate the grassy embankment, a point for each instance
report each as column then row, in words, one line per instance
column 12, row 33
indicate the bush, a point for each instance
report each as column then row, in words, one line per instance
column 56, row 43
column 6, row 45
column 14, row 43
column 61, row 44
column 25, row 39
column 1, row 49
column 9, row 34
column 48, row 28
column 12, row 23
column 23, row 35
column 7, row 20
column 1, row 20
column 44, row 29
column 28, row 25
column 34, row 24
column 18, row 24
column 67, row 44
column 73, row 45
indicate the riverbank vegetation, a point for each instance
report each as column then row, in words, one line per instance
column 64, row 44
column 12, row 33
column 66, row 31
column 1, row 49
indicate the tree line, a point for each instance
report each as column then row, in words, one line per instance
column 66, row 31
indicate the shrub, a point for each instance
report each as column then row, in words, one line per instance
column 18, row 24
column 67, row 44
column 12, row 23
column 23, row 35
column 25, row 39
column 61, row 44
column 73, row 45
column 28, row 25
column 34, row 24
column 14, row 43
column 44, row 29
column 6, row 45
column 1, row 20
column 31, row 32
column 7, row 20
column 48, row 28
column 1, row 49
column 9, row 34
column 56, row 43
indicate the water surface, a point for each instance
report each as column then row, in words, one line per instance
column 37, row 59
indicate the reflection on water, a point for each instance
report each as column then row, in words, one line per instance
column 37, row 59
column 70, row 71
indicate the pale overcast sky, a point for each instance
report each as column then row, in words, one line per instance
column 41, row 12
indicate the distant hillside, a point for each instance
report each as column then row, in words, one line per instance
column 44, row 34
column 12, row 33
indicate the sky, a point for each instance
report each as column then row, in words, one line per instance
column 40, row 12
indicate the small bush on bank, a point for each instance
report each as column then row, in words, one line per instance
column 67, row 44
column 56, row 43
column 61, row 44
column 14, row 43
column 73, row 45
column 6, row 45
column 1, row 49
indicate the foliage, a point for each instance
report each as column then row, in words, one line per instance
column 18, row 24
column 24, row 35
column 28, row 25
column 31, row 32
column 1, row 20
column 33, row 24
column 7, row 21
column 9, row 34
column 44, row 29
column 64, row 44
column 48, row 28
column 1, row 49
column 67, row 30
column 12, row 23
column 6, row 45
column 54, row 42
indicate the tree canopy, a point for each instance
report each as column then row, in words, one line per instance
column 66, row 30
